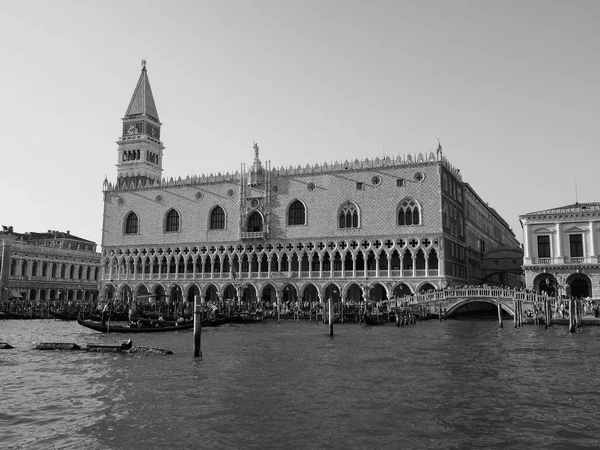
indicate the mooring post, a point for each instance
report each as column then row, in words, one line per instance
column 571, row 315
column 278, row 309
column 330, row 316
column 515, row 307
column 197, row 326
column 500, row 315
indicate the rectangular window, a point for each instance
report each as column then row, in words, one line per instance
column 359, row 185
column 400, row 182
column 543, row 243
column 576, row 243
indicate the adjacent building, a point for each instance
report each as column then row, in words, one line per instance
column 48, row 266
column 561, row 250
column 369, row 228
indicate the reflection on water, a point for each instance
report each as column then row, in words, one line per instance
column 452, row 384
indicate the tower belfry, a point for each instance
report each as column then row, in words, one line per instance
column 140, row 149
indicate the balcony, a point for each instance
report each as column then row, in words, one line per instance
column 564, row 260
column 253, row 235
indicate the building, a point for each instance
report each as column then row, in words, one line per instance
column 494, row 257
column 561, row 250
column 371, row 228
column 48, row 266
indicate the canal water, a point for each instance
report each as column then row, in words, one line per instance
column 440, row 385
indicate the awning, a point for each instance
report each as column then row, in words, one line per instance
column 12, row 293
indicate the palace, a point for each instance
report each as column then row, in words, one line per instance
column 561, row 250
column 371, row 228
column 48, row 266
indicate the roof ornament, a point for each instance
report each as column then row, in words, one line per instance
column 143, row 64
column 439, row 150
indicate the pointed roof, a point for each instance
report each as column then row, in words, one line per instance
column 575, row 207
column 142, row 101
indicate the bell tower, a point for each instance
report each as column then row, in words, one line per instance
column 140, row 148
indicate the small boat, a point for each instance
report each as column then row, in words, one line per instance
column 157, row 328
column 370, row 320
column 244, row 318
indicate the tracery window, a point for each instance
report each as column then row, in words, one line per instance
column 172, row 221
column 131, row 223
column 348, row 217
column 297, row 213
column 409, row 212
column 217, row 218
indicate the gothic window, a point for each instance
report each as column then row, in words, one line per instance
column 543, row 244
column 409, row 212
column 217, row 218
column 297, row 213
column 172, row 223
column 255, row 222
column 131, row 223
column 348, row 217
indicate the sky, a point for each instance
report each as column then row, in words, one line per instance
column 510, row 88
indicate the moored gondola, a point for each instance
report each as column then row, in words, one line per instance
column 158, row 328
column 370, row 320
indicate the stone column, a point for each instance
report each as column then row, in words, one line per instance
column 592, row 242
column 558, row 253
column 526, row 244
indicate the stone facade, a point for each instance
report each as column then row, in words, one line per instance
column 49, row 266
column 353, row 229
column 561, row 250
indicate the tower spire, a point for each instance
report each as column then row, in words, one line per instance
column 140, row 148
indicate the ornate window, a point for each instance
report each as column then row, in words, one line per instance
column 217, row 218
column 132, row 224
column 172, row 223
column 297, row 213
column 348, row 217
column 255, row 222
column 409, row 212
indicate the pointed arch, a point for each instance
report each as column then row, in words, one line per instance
column 217, row 218
column 296, row 213
column 349, row 215
column 131, row 225
column 172, row 221
column 255, row 222
column 409, row 212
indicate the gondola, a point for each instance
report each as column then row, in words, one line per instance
column 72, row 315
column 245, row 318
column 370, row 320
column 107, row 328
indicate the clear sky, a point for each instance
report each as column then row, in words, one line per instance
column 509, row 87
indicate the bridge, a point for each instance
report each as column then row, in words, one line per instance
column 450, row 299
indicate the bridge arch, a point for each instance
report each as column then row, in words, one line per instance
column 465, row 301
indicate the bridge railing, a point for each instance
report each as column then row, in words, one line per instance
column 475, row 292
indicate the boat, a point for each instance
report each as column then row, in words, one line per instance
column 120, row 328
column 244, row 318
column 370, row 320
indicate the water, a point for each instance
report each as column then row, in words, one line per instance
column 451, row 385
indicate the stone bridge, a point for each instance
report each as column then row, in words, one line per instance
column 450, row 299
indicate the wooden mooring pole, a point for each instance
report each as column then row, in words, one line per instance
column 500, row 315
column 330, row 316
column 197, row 327
column 515, row 312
